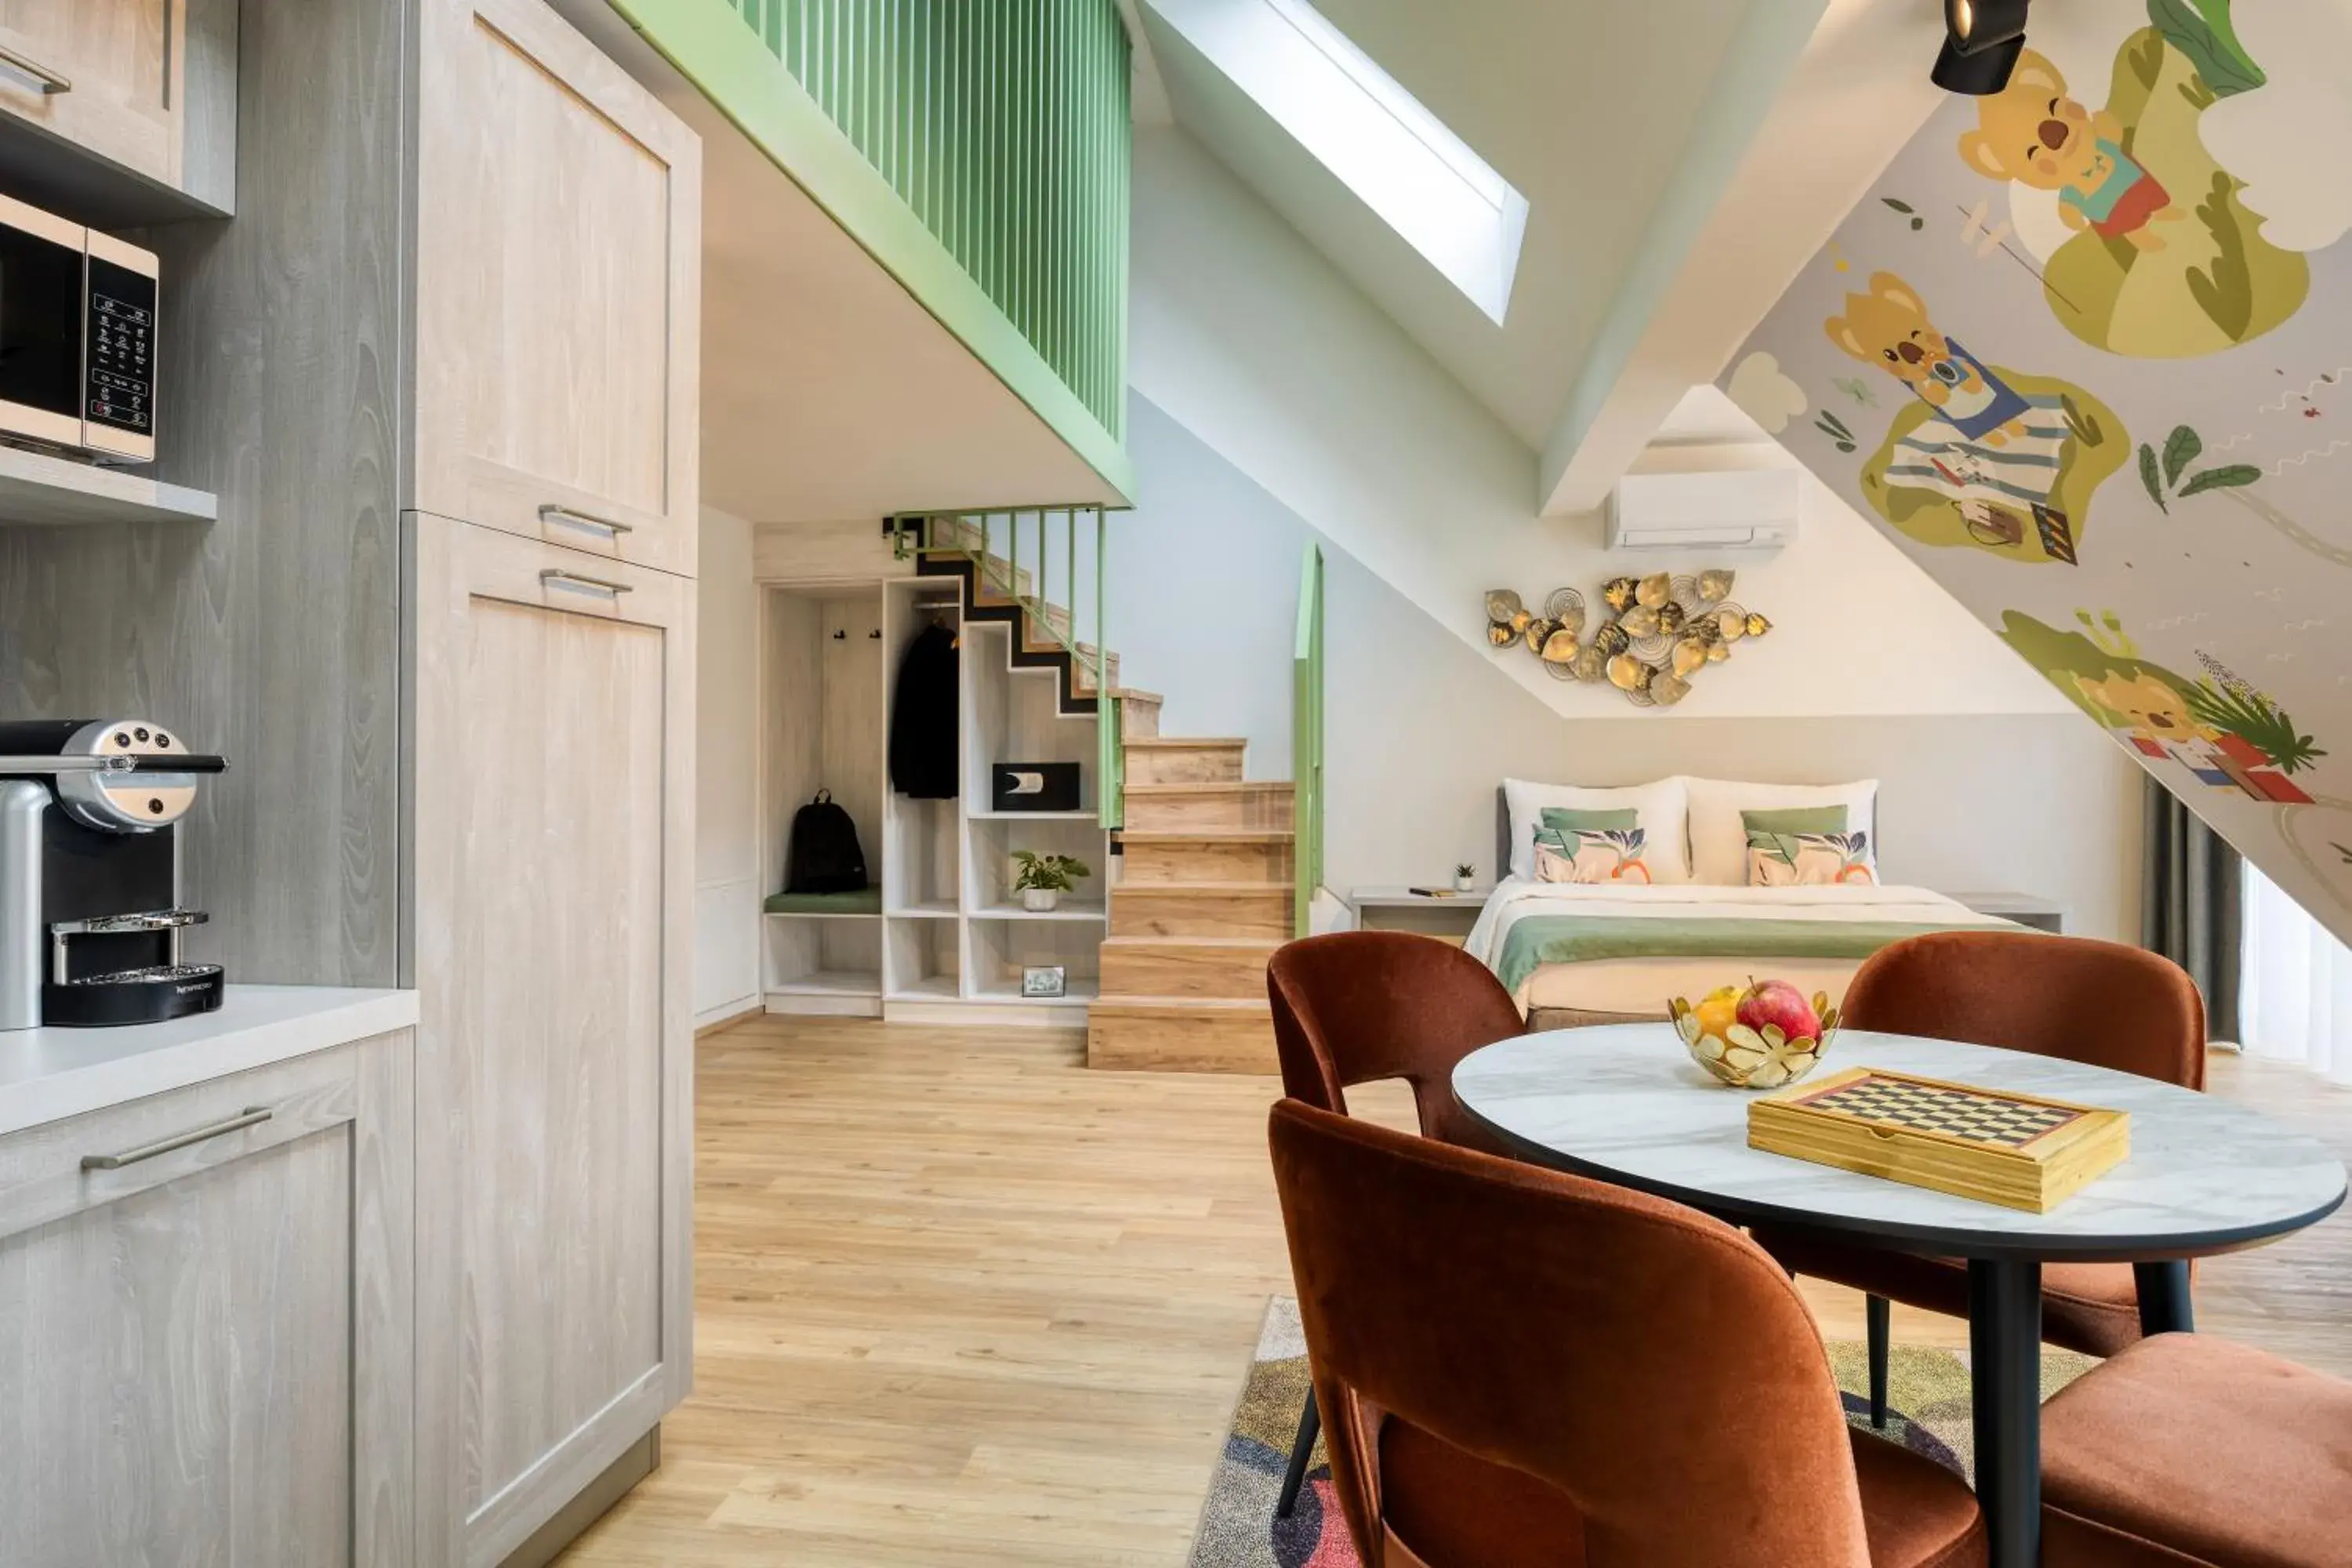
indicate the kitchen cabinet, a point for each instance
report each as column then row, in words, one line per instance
column 104, row 74
column 558, row 284
column 208, row 1301
column 554, row 788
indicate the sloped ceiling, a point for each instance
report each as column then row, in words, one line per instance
column 2120, row 438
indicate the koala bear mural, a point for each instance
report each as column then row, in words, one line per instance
column 2033, row 133
column 1981, row 454
column 2139, row 276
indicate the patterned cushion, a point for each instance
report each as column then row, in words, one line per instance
column 1591, row 854
column 1805, row 846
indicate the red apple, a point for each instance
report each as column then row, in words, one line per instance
column 1778, row 1002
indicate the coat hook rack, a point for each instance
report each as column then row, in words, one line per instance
column 840, row 635
column 876, row 634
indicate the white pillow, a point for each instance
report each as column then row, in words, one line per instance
column 1719, row 839
column 1659, row 811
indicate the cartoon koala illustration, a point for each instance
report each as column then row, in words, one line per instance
column 2032, row 132
column 2156, row 711
column 1888, row 327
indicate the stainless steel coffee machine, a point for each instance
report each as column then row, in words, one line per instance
column 90, row 918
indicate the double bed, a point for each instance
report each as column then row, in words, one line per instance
column 1573, row 953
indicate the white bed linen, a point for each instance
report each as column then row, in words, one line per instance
column 1642, row 985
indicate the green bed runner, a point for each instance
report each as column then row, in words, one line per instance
column 1540, row 940
column 865, row 901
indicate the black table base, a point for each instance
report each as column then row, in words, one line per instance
column 2164, row 1306
column 2005, row 1367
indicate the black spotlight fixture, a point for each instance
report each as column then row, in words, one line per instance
column 1983, row 39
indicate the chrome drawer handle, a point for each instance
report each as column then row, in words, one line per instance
column 555, row 575
column 252, row 1115
column 51, row 83
column 551, row 512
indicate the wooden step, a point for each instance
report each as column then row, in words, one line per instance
column 1183, row 758
column 1171, row 1034
column 1201, row 909
column 1233, row 968
column 1139, row 714
column 1230, row 856
column 1207, row 807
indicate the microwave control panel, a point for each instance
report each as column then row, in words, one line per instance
column 120, row 390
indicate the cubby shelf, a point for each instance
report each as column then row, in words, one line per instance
column 1031, row 816
column 829, row 983
column 823, row 914
column 1068, row 910
column 1079, row 988
column 928, row 910
column 929, row 988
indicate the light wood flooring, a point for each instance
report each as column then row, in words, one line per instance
column 962, row 1302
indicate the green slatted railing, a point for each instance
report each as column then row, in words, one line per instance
column 1003, row 125
column 1306, row 741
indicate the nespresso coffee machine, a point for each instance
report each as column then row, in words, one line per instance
column 89, row 874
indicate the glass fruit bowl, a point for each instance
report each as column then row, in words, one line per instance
column 1764, row 1037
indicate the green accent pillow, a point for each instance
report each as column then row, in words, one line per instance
column 1796, row 819
column 1568, row 819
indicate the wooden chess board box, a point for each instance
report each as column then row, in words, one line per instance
column 1996, row 1146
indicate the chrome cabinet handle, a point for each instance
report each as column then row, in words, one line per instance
column 51, row 83
column 554, row 575
column 252, row 1115
column 551, row 512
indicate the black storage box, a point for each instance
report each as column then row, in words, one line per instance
column 1033, row 786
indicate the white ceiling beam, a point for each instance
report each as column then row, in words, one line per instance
column 1794, row 142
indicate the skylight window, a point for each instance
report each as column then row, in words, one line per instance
column 1399, row 159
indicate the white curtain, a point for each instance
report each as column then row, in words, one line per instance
column 2298, row 983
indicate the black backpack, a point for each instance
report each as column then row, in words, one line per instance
column 824, row 857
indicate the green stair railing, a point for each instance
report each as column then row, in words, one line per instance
column 1011, row 554
column 1307, row 742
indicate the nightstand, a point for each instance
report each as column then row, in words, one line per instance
column 2025, row 909
column 1448, row 918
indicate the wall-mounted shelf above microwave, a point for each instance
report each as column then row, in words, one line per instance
column 37, row 489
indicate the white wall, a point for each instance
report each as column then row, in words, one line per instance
column 1421, row 726
column 1244, row 335
column 727, row 889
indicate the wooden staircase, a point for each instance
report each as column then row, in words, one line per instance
column 1204, row 899
column 1204, row 890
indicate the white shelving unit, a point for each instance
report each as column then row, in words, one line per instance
column 950, row 940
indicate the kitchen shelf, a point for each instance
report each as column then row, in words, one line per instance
column 45, row 491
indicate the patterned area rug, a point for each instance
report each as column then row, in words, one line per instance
column 1928, row 1401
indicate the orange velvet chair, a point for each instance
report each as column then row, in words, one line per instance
column 1364, row 1007
column 2184, row 1449
column 2086, row 1001
column 1525, row 1368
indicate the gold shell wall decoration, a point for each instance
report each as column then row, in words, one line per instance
column 1656, row 633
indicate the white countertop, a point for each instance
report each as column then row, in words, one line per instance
column 47, row 1074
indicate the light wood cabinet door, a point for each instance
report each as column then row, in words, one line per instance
column 559, row 281
column 554, row 780
column 206, row 1349
column 106, row 74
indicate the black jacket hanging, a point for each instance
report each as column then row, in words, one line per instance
column 923, row 718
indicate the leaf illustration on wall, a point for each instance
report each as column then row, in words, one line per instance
column 1908, row 210
column 2202, row 31
column 2226, row 293
column 2180, row 449
column 2151, row 478
column 2229, row 478
column 2239, row 710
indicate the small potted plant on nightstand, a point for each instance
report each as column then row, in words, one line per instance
column 1466, row 878
column 1042, row 880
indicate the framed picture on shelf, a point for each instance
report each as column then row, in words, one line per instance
column 1043, row 979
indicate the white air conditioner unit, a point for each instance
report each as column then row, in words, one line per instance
column 1724, row 508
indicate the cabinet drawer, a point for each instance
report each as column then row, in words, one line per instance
column 105, row 74
column 557, row 290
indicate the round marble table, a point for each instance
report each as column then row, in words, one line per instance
column 1625, row 1103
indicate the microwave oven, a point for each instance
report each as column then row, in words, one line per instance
column 77, row 338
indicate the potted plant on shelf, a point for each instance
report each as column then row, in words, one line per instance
column 1466, row 878
column 1042, row 880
